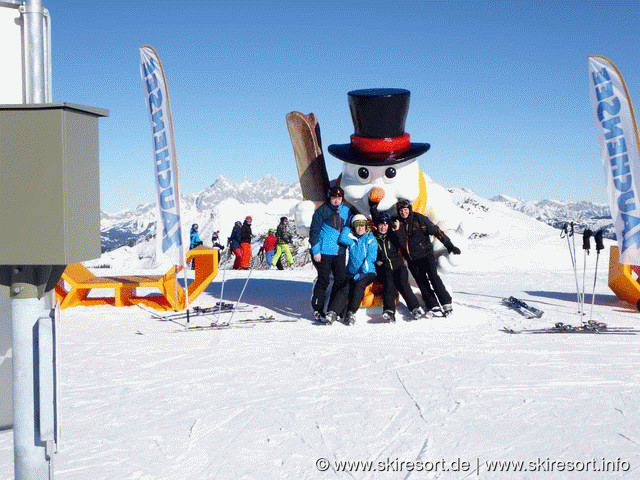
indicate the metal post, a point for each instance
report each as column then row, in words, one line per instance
column 29, row 304
column 32, row 458
column 35, row 64
column 6, row 361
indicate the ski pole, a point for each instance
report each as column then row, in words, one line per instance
column 586, row 247
column 241, row 293
column 567, row 231
column 575, row 267
column 224, row 271
column 599, row 246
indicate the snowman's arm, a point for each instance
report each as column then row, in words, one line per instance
column 304, row 131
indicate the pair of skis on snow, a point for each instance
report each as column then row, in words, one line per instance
column 590, row 326
column 522, row 307
column 240, row 323
column 220, row 307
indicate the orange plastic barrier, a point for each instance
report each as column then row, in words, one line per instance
column 623, row 279
column 81, row 282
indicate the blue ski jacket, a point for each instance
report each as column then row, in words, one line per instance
column 363, row 252
column 195, row 240
column 326, row 225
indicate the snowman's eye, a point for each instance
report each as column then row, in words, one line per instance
column 390, row 172
column 363, row 173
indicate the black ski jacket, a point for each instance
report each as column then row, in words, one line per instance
column 413, row 236
column 245, row 233
column 388, row 251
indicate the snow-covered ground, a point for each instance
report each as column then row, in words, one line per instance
column 436, row 399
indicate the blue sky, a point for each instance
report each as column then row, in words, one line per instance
column 499, row 89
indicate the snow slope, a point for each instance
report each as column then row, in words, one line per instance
column 143, row 399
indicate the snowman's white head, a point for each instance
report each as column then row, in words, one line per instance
column 386, row 184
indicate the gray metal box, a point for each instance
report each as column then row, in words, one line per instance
column 49, row 184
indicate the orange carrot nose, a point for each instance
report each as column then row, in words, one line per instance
column 376, row 194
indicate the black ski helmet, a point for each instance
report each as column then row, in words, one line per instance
column 383, row 217
column 335, row 191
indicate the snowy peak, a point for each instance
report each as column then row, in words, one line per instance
column 129, row 227
column 557, row 213
column 264, row 190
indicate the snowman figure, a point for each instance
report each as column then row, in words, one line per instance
column 381, row 167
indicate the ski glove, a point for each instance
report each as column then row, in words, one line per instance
column 453, row 249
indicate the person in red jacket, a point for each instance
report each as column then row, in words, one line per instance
column 269, row 246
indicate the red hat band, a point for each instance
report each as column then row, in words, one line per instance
column 382, row 147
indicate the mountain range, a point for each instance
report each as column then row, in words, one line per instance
column 218, row 206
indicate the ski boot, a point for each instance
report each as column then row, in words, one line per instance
column 330, row 317
column 388, row 316
column 447, row 309
column 418, row 313
column 350, row 318
column 318, row 317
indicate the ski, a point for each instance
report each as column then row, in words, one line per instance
column 522, row 307
column 215, row 326
column 241, row 323
column 266, row 319
column 219, row 307
column 589, row 327
column 304, row 132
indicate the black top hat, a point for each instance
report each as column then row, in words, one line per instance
column 378, row 117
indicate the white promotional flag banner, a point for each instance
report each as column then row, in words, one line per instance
column 169, row 231
column 618, row 136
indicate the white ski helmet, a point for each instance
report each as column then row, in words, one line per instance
column 358, row 218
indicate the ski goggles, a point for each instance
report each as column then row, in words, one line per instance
column 360, row 223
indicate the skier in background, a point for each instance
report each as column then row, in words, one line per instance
column 215, row 241
column 235, row 245
column 245, row 242
column 269, row 246
column 194, row 241
column 413, row 230
column 194, row 236
column 284, row 236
